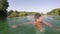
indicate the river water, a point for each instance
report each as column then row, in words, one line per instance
column 5, row 25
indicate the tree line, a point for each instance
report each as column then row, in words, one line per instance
column 16, row 13
column 55, row 11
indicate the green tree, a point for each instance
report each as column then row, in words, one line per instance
column 3, row 6
column 14, row 14
column 11, row 11
column 55, row 11
column 17, row 13
column 22, row 14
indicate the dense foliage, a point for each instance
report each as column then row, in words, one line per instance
column 55, row 11
column 16, row 13
column 3, row 6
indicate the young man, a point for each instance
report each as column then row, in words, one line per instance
column 37, row 23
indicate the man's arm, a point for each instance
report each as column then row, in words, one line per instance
column 14, row 26
column 52, row 26
column 24, row 23
column 49, row 24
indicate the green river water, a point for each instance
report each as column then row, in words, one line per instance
column 5, row 25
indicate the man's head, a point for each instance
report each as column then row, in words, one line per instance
column 37, row 17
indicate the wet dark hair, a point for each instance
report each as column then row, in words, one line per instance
column 37, row 15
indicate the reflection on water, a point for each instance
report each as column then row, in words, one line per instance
column 26, row 29
column 3, row 27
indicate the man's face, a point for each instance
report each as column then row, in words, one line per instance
column 39, row 19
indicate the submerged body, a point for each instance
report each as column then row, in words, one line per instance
column 37, row 22
column 38, row 25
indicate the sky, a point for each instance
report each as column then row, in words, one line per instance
column 33, row 5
